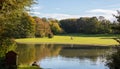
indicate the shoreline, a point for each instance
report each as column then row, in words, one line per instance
column 73, row 44
column 78, row 40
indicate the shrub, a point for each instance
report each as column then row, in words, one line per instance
column 50, row 35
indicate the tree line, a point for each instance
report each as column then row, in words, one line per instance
column 89, row 25
column 33, row 26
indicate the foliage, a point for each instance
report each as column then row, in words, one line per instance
column 10, row 11
column 55, row 26
column 117, row 24
column 113, row 60
column 7, row 45
column 69, row 25
column 24, row 28
column 87, row 25
column 50, row 35
column 42, row 28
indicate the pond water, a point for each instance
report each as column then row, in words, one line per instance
column 58, row 56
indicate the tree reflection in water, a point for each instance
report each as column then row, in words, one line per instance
column 29, row 53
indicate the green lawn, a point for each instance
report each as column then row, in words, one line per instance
column 102, row 40
column 29, row 67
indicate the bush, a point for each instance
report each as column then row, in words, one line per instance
column 113, row 60
column 50, row 35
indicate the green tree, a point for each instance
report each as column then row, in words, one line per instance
column 69, row 25
column 26, row 27
column 10, row 11
column 117, row 28
column 105, row 26
column 113, row 60
column 55, row 26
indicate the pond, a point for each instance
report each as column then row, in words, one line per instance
column 58, row 56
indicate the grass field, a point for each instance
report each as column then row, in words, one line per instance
column 29, row 67
column 102, row 40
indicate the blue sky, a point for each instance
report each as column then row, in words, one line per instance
column 62, row 9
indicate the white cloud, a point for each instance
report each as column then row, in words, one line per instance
column 34, row 13
column 36, row 7
column 108, row 14
column 102, row 11
column 60, row 16
column 95, row 12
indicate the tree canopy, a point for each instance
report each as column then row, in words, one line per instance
column 10, row 14
column 86, row 25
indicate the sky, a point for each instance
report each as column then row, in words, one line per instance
column 63, row 9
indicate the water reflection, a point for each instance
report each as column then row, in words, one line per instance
column 62, row 56
column 28, row 53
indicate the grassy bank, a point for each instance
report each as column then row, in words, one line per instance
column 29, row 67
column 103, row 40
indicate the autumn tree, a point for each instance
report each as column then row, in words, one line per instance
column 10, row 11
column 55, row 26
column 42, row 28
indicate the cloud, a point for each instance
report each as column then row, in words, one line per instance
column 58, row 16
column 95, row 12
column 36, row 8
column 108, row 14
column 34, row 13
column 102, row 11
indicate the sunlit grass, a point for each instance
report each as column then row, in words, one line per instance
column 30, row 67
column 27, row 67
column 77, row 39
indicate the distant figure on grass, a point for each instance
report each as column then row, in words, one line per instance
column 71, row 38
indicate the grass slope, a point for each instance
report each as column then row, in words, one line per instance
column 29, row 67
column 103, row 40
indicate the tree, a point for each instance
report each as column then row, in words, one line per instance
column 26, row 27
column 55, row 26
column 104, row 26
column 117, row 27
column 10, row 11
column 42, row 28
column 92, row 26
column 82, row 25
column 69, row 25
column 113, row 60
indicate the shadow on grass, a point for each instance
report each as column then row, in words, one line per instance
column 90, row 35
column 108, row 38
